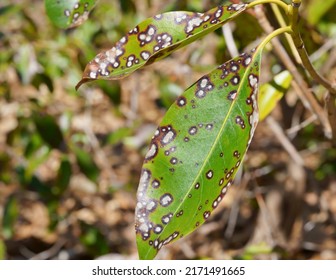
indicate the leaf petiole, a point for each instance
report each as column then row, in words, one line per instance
column 283, row 5
column 279, row 31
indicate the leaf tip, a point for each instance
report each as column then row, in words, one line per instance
column 90, row 73
column 81, row 82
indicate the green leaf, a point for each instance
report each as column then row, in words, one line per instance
column 196, row 152
column 316, row 9
column 63, row 176
column 2, row 250
column 271, row 93
column 154, row 39
column 86, row 164
column 11, row 213
column 49, row 130
column 68, row 13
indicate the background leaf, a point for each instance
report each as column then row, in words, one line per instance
column 195, row 153
column 11, row 212
column 154, row 39
column 86, row 163
column 49, row 130
column 317, row 9
column 69, row 13
column 270, row 93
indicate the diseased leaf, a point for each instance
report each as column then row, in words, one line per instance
column 154, row 39
column 272, row 92
column 69, row 13
column 196, row 152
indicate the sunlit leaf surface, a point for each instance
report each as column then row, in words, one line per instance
column 69, row 13
column 271, row 93
column 154, row 39
column 196, row 152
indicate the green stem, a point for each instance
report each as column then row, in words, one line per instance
column 275, row 33
column 283, row 23
column 294, row 12
column 283, row 5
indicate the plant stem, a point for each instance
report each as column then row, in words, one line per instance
column 283, row 5
column 283, row 23
column 302, row 51
column 275, row 33
column 309, row 101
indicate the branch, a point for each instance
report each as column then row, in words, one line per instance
column 305, row 94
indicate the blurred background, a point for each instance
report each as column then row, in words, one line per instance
column 70, row 161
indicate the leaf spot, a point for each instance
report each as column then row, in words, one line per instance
column 200, row 93
column 168, row 137
column 158, row 17
column 193, row 130
column 194, row 22
column 209, row 174
column 166, row 218
column 234, row 67
column 206, row 214
column 253, row 80
column 179, row 214
column 209, row 126
column 145, row 55
column 235, row 80
column 240, row 122
column 166, row 199
column 151, row 205
column 247, row 61
column 173, row 160
column 181, row 101
column 152, row 152
column 236, row 154
column 158, row 229
column 156, row 184
column 232, row 95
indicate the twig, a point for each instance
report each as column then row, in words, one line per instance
column 302, row 51
column 283, row 23
column 52, row 251
column 231, row 45
column 331, row 107
column 285, row 142
column 101, row 156
column 296, row 128
column 299, row 83
column 323, row 49
column 269, row 223
column 330, row 62
column 234, row 211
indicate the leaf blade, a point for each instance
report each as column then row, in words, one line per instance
column 194, row 154
column 154, row 39
column 271, row 93
column 68, row 13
